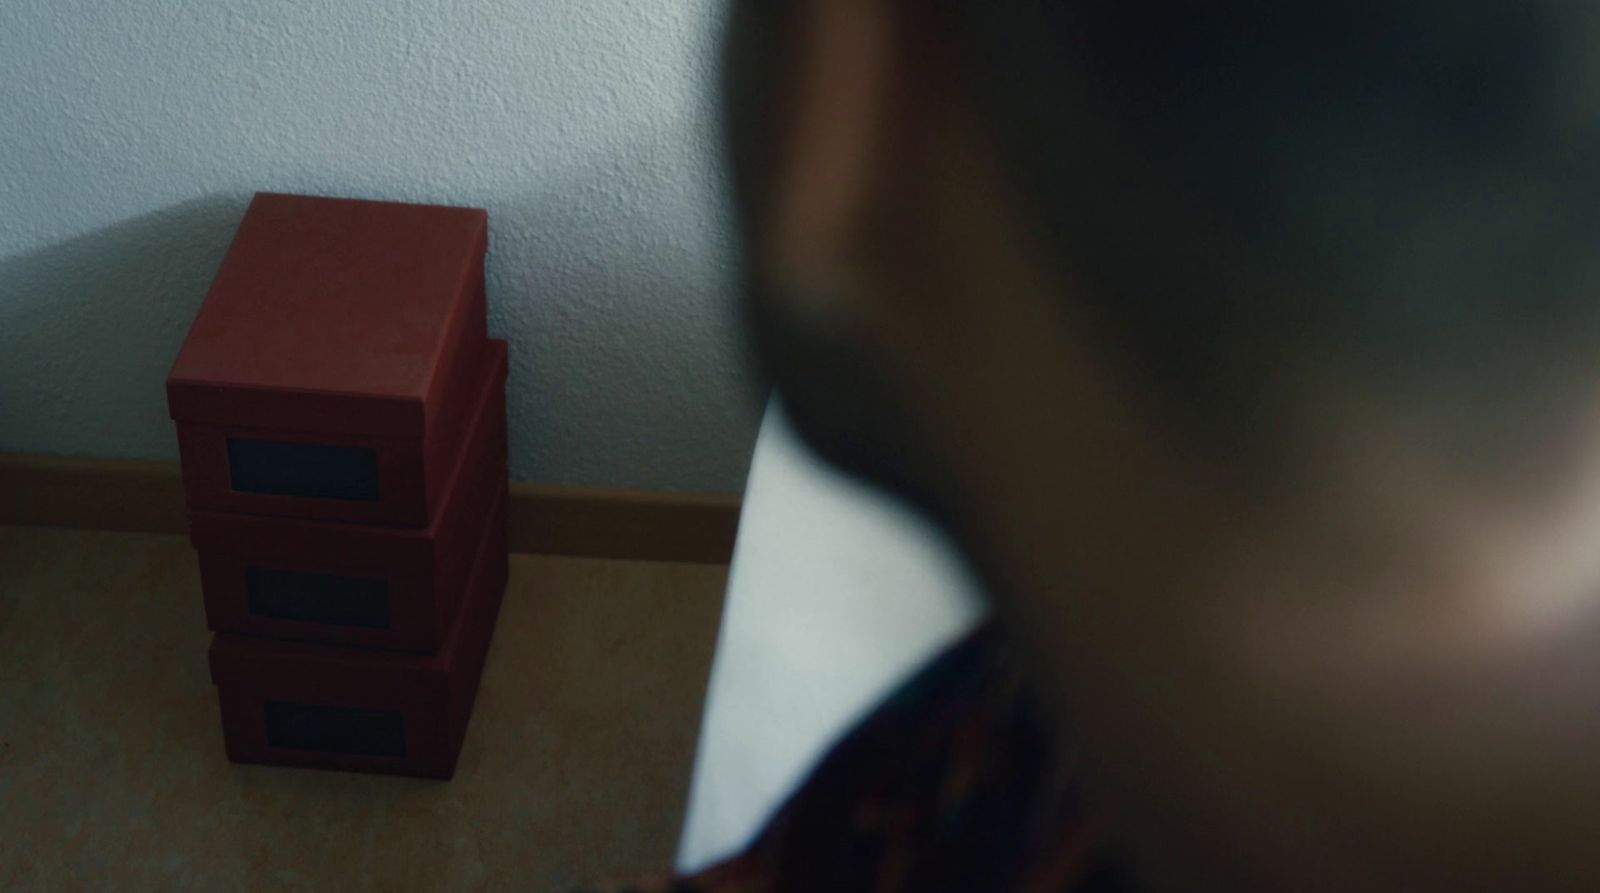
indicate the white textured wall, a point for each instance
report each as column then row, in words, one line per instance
column 133, row 131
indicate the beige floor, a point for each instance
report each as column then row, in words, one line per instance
column 112, row 775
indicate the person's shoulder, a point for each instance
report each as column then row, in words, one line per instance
column 975, row 682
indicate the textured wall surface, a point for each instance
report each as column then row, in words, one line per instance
column 132, row 133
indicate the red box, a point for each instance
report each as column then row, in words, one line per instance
column 322, row 707
column 349, row 584
column 324, row 376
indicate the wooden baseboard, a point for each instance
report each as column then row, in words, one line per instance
column 147, row 497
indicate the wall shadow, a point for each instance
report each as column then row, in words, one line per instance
column 89, row 328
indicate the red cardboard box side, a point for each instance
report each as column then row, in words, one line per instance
column 412, row 471
column 433, row 693
column 425, row 569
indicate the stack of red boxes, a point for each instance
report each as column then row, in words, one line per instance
column 341, row 418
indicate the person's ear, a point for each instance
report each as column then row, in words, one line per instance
column 828, row 142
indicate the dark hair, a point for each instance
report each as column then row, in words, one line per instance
column 1403, row 190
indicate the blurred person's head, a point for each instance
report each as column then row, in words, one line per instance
column 1336, row 260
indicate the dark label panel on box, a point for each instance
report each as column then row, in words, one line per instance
column 373, row 733
column 314, row 470
column 318, row 598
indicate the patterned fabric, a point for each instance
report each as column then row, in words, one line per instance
column 952, row 786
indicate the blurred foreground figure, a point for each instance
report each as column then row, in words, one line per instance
column 1251, row 352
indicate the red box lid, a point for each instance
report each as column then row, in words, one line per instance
column 253, row 662
column 330, row 315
